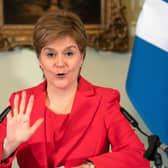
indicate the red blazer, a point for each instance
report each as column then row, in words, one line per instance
column 94, row 122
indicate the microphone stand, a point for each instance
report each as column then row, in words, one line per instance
column 154, row 142
column 152, row 153
column 4, row 113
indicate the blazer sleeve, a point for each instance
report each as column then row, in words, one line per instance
column 8, row 161
column 127, row 149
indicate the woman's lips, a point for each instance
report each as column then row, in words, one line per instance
column 60, row 75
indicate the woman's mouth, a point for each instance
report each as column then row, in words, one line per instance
column 60, row 75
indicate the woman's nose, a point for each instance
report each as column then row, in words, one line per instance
column 59, row 61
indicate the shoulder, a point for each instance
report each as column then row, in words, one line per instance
column 34, row 90
column 104, row 92
column 108, row 94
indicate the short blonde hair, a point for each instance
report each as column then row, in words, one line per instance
column 53, row 25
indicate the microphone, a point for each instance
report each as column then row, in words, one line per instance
column 135, row 124
column 131, row 120
column 4, row 113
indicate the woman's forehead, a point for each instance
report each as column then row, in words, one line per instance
column 62, row 43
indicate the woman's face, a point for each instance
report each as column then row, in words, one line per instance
column 60, row 62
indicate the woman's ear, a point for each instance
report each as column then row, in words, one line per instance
column 81, row 61
column 39, row 61
column 40, row 65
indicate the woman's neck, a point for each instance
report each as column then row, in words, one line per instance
column 60, row 100
column 61, row 92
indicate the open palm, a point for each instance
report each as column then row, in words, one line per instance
column 18, row 125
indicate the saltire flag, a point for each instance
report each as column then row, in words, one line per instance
column 147, row 80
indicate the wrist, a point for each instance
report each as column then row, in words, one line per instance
column 8, row 149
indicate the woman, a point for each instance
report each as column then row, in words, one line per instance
column 66, row 121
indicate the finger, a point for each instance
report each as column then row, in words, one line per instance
column 36, row 125
column 8, row 104
column 30, row 105
column 22, row 103
column 9, row 116
column 15, row 105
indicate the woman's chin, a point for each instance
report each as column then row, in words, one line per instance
column 61, row 84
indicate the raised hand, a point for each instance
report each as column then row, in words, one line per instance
column 18, row 125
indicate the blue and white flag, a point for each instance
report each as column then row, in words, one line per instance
column 147, row 80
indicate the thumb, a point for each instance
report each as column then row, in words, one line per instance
column 36, row 125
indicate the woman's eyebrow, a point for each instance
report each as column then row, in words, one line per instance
column 71, row 46
column 66, row 48
column 48, row 49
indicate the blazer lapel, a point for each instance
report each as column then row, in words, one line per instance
column 37, row 141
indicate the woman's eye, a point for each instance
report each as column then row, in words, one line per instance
column 69, row 53
column 50, row 54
